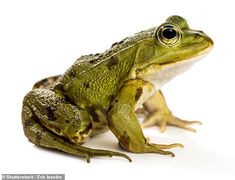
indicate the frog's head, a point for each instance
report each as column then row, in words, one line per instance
column 170, row 50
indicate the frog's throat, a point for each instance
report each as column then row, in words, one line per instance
column 162, row 74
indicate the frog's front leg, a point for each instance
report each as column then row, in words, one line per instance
column 159, row 114
column 123, row 121
column 52, row 122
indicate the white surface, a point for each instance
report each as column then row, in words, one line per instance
column 43, row 38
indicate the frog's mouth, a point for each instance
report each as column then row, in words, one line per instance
column 158, row 75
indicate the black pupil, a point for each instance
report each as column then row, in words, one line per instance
column 169, row 33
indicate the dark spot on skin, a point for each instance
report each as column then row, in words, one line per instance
column 92, row 111
column 111, row 97
column 67, row 100
column 93, row 61
column 28, row 123
column 124, row 140
column 86, row 131
column 112, row 62
column 58, row 86
column 114, row 44
column 112, row 104
column 72, row 74
column 86, row 85
column 120, row 42
column 110, row 107
column 89, row 126
column 117, row 43
column 139, row 92
column 75, row 138
column 67, row 121
column 50, row 113
column 38, row 137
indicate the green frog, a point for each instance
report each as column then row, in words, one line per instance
column 106, row 91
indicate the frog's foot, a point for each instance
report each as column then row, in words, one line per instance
column 82, row 151
column 159, row 148
column 159, row 114
column 162, row 119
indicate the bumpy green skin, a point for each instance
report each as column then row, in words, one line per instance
column 102, row 91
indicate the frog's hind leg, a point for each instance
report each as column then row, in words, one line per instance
column 39, row 136
column 43, row 124
column 45, row 83
column 159, row 114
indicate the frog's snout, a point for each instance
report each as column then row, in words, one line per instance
column 207, row 39
column 211, row 43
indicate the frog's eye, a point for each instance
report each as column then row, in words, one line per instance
column 168, row 34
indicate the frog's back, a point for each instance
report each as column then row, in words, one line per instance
column 91, row 82
column 94, row 80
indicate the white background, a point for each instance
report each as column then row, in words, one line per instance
column 43, row 38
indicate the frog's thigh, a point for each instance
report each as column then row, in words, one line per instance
column 40, row 136
column 59, row 116
column 39, row 115
column 124, row 123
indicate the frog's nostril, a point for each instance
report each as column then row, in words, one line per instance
column 201, row 32
column 197, row 35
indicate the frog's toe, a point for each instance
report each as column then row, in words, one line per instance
column 97, row 152
column 89, row 153
column 160, row 148
column 184, row 124
column 167, row 119
column 106, row 153
column 168, row 146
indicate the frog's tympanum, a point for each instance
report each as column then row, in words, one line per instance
column 106, row 91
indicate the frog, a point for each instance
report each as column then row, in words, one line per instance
column 108, row 91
